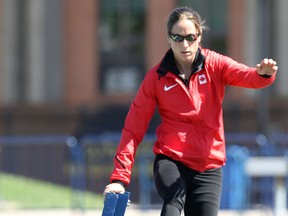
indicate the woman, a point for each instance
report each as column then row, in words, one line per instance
column 188, row 87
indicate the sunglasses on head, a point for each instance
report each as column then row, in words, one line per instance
column 180, row 38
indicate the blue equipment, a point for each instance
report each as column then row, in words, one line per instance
column 115, row 204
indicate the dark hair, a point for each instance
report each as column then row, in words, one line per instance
column 185, row 12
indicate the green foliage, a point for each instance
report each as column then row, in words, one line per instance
column 21, row 192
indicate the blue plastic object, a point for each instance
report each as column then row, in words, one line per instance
column 115, row 204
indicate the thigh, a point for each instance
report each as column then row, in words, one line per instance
column 168, row 179
column 204, row 194
column 170, row 185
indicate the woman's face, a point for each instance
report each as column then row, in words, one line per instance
column 184, row 51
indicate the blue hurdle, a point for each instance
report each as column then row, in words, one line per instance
column 115, row 204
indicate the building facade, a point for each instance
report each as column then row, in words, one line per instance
column 93, row 54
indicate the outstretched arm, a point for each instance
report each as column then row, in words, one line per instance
column 267, row 67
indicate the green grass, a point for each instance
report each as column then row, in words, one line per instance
column 20, row 192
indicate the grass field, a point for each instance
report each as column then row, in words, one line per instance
column 20, row 192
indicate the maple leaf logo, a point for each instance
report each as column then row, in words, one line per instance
column 202, row 79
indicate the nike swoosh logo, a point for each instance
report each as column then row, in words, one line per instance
column 167, row 88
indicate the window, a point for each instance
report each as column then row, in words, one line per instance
column 121, row 46
column 215, row 15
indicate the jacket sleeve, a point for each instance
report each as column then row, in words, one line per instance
column 237, row 74
column 136, row 123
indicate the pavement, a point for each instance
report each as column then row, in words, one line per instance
column 130, row 211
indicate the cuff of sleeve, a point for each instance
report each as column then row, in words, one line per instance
column 119, row 182
column 266, row 76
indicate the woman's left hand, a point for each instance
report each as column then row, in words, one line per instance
column 267, row 67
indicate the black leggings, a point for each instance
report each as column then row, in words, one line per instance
column 180, row 187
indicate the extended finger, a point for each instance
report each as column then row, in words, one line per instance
column 265, row 61
column 271, row 62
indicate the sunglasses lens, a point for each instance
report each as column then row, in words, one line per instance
column 177, row 38
column 190, row 38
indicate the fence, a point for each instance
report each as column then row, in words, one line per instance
column 31, row 161
column 83, row 166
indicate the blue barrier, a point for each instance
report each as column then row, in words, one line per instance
column 146, row 183
column 77, row 172
column 234, row 179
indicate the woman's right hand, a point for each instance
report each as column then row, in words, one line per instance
column 114, row 187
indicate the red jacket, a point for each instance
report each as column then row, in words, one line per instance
column 191, row 129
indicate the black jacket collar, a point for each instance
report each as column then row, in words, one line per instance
column 168, row 63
